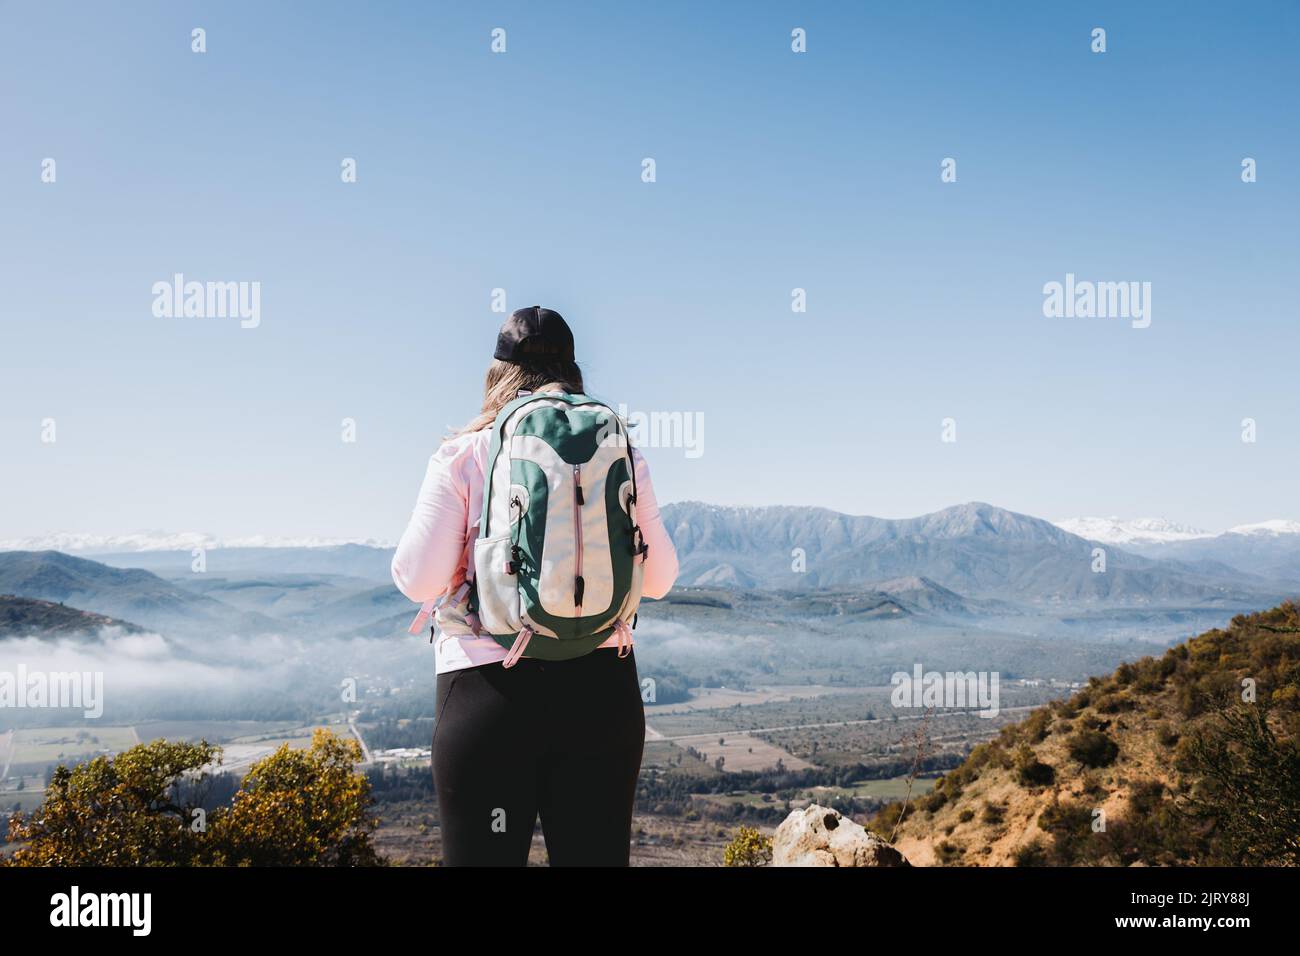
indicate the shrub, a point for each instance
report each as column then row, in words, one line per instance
column 1033, row 853
column 1114, row 703
column 933, row 800
column 948, row 852
column 884, row 823
column 748, row 847
column 1206, row 691
column 991, row 754
column 1250, row 787
column 1037, row 725
column 1092, row 786
column 1070, row 823
column 1092, row 748
column 1145, row 796
column 294, row 808
column 1032, row 772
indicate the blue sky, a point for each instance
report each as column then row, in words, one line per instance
column 775, row 170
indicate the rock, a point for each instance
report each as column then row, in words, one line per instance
column 820, row 836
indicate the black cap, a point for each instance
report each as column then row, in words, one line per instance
column 534, row 333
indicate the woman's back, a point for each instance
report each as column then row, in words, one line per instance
column 552, row 726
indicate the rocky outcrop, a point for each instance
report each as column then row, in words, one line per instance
column 820, row 836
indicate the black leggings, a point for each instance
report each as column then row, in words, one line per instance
column 562, row 740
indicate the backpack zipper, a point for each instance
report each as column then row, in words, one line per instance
column 579, row 585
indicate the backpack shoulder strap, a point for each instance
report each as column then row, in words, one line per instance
column 495, row 448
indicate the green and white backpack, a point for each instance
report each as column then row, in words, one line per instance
column 557, row 563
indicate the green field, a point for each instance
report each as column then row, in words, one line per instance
column 33, row 751
column 42, row 746
column 894, row 788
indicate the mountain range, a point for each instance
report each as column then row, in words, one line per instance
column 788, row 594
column 968, row 562
column 976, row 550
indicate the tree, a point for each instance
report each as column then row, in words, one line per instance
column 300, row 808
column 120, row 811
column 294, row 808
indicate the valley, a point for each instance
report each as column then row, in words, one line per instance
column 765, row 688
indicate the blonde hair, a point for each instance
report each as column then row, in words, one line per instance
column 505, row 380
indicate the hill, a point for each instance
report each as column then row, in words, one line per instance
column 21, row 617
column 1160, row 763
column 924, row 595
column 129, row 593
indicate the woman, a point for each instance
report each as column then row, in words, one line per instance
column 559, row 739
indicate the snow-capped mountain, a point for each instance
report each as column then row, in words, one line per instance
column 1268, row 529
column 1115, row 530
column 77, row 543
column 1270, row 549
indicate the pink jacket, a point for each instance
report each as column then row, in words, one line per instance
column 430, row 554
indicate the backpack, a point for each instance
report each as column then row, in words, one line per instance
column 557, row 562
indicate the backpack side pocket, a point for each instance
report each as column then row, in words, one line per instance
column 498, row 588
